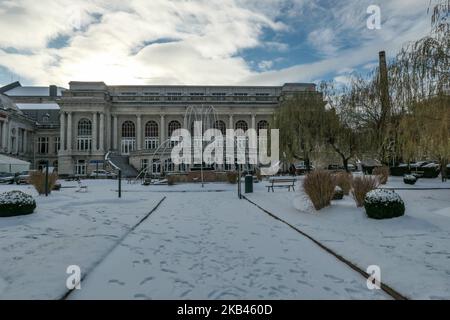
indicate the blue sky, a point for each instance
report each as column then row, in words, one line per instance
column 261, row 42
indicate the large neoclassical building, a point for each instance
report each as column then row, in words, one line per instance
column 133, row 123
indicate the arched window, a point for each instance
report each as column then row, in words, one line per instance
column 220, row 125
column 173, row 125
column 241, row 124
column 263, row 125
column 151, row 130
column 151, row 135
column 84, row 128
column 128, row 130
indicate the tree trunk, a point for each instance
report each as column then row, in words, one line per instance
column 444, row 163
column 345, row 162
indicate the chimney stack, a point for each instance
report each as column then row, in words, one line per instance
column 53, row 91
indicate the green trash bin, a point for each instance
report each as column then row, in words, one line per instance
column 249, row 183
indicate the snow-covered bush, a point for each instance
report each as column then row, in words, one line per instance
column 410, row 179
column 319, row 185
column 361, row 186
column 384, row 204
column 382, row 173
column 338, row 193
column 16, row 203
column 344, row 181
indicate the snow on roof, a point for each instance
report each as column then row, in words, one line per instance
column 38, row 106
column 31, row 92
column 8, row 160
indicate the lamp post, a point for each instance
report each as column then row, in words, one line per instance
column 46, row 179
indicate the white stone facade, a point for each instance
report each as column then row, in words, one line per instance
column 134, row 120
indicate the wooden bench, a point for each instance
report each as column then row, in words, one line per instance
column 82, row 188
column 281, row 183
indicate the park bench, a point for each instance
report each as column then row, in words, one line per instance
column 82, row 188
column 281, row 183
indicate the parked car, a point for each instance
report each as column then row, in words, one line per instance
column 340, row 167
column 400, row 170
column 300, row 168
column 23, row 177
column 6, row 177
column 103, row 174
column 431, row 170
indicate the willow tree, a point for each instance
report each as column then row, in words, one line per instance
column 422, row 79
column 300, row 119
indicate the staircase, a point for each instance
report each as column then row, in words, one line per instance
column 123, row 163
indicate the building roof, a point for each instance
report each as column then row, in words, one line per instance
column 9, row 160
column 15, row 89
column 7, row 104
column 38, row 106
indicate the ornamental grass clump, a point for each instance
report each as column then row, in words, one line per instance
column 37, row 179
column 361, row 186
column 344, row 181
column 382, row 173
column 320, row 187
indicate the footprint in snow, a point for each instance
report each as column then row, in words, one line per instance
column 115, row 281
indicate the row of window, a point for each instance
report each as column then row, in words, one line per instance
column 152, row 128
column 43, row 145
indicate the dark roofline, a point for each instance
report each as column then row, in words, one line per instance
column 10, row 86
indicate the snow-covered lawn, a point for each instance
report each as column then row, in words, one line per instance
column 215, row 246
column 413, row 251
column 67, row 228
column 195, row 245
column 205, row 243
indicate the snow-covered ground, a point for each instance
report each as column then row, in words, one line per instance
column 67, row 228
column 413, row 251
column 215, row 246
column 205, row 243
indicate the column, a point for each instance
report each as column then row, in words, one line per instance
column 115, row 133
column 2, row 124
column 139, row 133
column 231, row 125
column 162, row 129
column 9, row 150
column 94, row 131
column 62, row 132
column 25, row 142
column 102, row 132
column 16, row 142
column 108, row 131
column 69, row 131
column 253, row 121
column 185, row 124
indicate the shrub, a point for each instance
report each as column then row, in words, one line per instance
column 344, row 181
column 232, row 177
column 384, row 204
column 16, row 203
column 320, row 185
column 338, row 193
column 410, row 179
column 362, row 186
column 171, row 180
column 37, row 179
column 382, row 173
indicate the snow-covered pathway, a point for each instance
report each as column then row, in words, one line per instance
column 214, row 246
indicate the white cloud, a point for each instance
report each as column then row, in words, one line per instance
column 192, row 42
column 265, row 65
